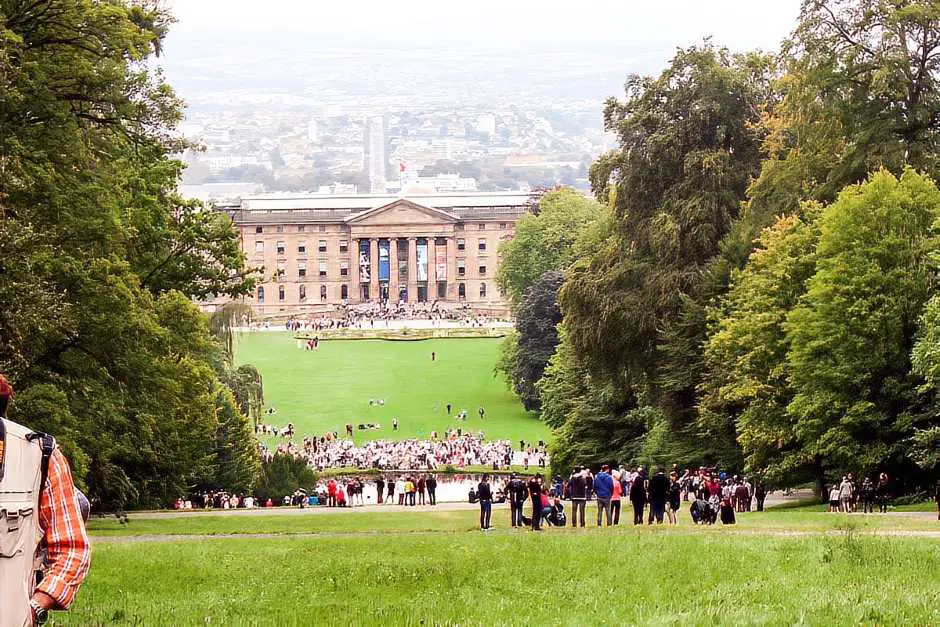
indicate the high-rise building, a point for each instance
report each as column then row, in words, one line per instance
column 375, row 154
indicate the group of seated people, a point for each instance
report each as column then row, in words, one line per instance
column 459, row 448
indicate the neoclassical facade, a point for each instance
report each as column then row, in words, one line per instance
column 321, row 251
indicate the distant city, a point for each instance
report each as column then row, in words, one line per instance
column 387, row 123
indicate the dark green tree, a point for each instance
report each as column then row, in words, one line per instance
column 530, row 348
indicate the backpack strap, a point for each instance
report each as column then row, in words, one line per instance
column 48, row 446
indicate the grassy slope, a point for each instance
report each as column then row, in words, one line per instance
column 515, row 578
column 325, row 389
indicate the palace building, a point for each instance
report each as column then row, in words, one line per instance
column 321, row 251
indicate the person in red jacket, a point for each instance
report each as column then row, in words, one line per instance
column 331, row 493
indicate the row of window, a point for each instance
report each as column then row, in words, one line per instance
column 301, row 228
column 302, row 247
column 344, row 292
column 344, row 269
column 281, row 247
column 322, row 228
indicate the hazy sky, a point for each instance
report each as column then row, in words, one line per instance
column 646, row 25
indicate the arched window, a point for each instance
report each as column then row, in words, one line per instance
column 344, row 291
column 482, row 290
column 280, row 292
column 322, row 292
column 260, row 295
column 462, row 290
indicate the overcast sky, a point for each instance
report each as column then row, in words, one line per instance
column 582, row 25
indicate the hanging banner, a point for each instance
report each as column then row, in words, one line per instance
column 402, row 248
column 421, row 252
column 440, row 262
column 384, row 261
column 365, row 267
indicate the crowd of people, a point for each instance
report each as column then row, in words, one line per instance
column 458, row 448
column 845, row 496
column 657, row 497
column 368, row 315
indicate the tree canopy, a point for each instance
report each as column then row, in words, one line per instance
column 100, row 258
column 544, row 240
column 765, row 296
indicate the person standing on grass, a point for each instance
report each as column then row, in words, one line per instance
column 535, row 495
column 638, row 496
column 936, row 497
column 379, row 489
column 577, row 485
column 615, row 497
column 603, row 490
column 760, row 493
column 431, row 484
column 846, row 492
column 44, row 549
column 400, row 488
column 517, row 496
column 394, row 424
column 658, row 494
column 868, row 496
column 485, row 494
column 391, row 492
column 883, row 492
column 422, row 486
column 433, row 356
column 674, row 498
column 331, row 493
column 482, row 412
column 834, row 498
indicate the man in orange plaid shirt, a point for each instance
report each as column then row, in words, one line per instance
column 44, row 558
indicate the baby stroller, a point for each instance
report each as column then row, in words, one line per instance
column 555, row 515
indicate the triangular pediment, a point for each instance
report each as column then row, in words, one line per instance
column 402, row 212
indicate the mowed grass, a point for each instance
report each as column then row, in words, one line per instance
column 325, row 389
column 515, row 578
column 396, row 519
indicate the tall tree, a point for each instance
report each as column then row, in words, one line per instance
column 850, row 337
column 100, row 256
column 544, row 239
column 745, row 390
column 686, row 153
column 530, row 348
column 860, row 91
column 634, row 304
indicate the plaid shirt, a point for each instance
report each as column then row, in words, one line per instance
column 67, row 546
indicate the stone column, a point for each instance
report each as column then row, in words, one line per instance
column 452, row 278
column 412, row 269
column 355, row 291
column 393, row 269
column 432, row 269
column 374, row 269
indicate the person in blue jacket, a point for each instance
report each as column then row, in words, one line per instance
column 603, row 490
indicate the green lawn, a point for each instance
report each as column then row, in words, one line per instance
column 392, row 518
column 326, row 389
column 614, row 577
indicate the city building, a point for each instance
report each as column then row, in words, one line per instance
column 322, row 251
column 375, row 154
